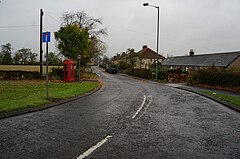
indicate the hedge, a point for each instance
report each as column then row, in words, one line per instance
column 56, row 73
column 162, row 74
column 142, row 73
column 20, row 75
column 147, row 73
column 177, row 76
column 215, row 77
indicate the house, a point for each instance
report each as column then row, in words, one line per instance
column 225, row 60
column 115, row 60
column 146, row 58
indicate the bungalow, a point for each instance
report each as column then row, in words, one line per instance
column 146, row 57
column 225, row 60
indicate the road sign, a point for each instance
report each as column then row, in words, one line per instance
column 46, row 37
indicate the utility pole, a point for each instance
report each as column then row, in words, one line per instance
column 47, row 83
column 41, row 50
column 157, row 43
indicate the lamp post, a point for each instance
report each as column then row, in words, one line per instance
column 157, row 7
column 79, row 60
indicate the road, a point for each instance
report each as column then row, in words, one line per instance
column 126, row 118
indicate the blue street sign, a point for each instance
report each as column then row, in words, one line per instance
column 46, row 37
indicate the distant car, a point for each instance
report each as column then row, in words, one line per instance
column 111, row 70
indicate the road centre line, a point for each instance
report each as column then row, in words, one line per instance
column 140, row 108
column 150, row 102
column 89, row 151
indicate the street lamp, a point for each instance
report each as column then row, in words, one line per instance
column 157, row 7
column 79, row 60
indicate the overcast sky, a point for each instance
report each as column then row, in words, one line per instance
column 207, row 26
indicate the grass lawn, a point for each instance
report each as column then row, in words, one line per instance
column 16, row 95
column 228, row 98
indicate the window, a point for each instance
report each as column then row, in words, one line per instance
column 71, row 70
column 66, row 70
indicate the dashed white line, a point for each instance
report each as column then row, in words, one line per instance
column 140, row 108
column 89, row 151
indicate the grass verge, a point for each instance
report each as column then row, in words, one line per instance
column 227, row 98
column 18, row 95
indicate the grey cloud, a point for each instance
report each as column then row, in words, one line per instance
column 206, row 25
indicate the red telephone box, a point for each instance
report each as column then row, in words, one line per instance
column 68, row 66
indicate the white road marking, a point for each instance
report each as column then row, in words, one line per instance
column 89, row 151
column 150, row 102
column 140, row 108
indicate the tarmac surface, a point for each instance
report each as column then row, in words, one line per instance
column 126, row 118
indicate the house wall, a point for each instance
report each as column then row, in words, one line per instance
column 187, row 68
column 235, row 64
column 145, row 63
column 183, row 68
column 115, row 62
column 139, row 63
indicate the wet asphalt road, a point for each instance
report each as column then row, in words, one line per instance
column 141, row 120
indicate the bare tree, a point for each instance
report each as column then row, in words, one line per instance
column 93, row 25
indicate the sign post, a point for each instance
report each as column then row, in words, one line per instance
column 79, row 60
column 46, row 39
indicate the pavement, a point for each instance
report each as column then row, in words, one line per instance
column 184, row 86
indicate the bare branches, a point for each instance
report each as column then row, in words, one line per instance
column 93, row 25
column 68, row 19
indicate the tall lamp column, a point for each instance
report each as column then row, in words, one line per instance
column 158, row 17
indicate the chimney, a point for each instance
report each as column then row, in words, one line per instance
column 144, row 47
column 191, row 52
